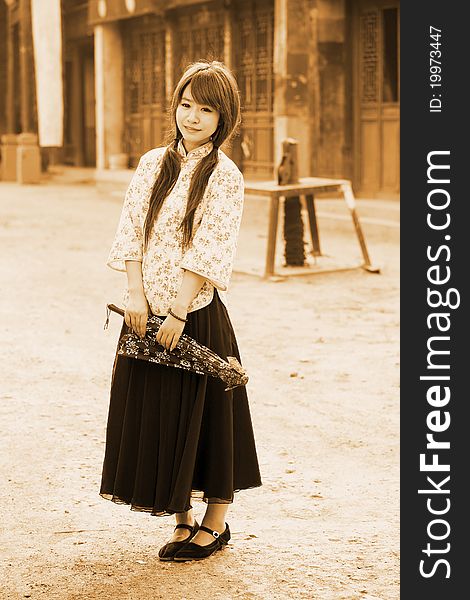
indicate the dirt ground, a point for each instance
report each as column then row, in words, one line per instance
column 322, row 355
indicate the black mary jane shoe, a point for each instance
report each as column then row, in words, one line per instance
column 168, row 551
column 194, row 551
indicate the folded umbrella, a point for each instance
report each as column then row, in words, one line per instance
column 188, row 354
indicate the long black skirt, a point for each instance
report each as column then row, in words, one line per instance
column 173, row 435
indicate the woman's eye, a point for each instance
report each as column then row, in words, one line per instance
column 209, row 110
column 185, row 105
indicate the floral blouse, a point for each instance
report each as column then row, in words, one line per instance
column 215, row 230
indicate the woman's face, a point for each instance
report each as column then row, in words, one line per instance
column 197, row 122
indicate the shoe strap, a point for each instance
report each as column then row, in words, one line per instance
column 184, row 526
column 215, row 534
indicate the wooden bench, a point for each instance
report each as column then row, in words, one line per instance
column 306, row 187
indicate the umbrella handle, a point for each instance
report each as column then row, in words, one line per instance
column 115, row 309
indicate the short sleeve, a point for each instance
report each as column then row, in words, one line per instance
column 213, row 247
column 127, row 244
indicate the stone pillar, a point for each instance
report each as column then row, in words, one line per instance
column 169, row 83
column 28, row 159
column 293, row 78
column 228, row 41
column 109, row 93
column 8, row 163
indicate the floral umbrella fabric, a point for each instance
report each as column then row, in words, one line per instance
column 188, row 354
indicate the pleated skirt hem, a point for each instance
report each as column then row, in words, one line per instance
column 197, row 495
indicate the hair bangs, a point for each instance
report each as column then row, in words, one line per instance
column 207, row 89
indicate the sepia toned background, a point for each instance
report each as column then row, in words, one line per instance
column 84, row 92
column 322, row 71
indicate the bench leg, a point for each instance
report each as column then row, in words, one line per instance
column 351, row 203
column 360, row 237
column 272, row 235
column 312, row 219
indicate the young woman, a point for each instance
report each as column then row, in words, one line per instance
column 173, row 435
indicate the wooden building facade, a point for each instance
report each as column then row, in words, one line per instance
column 158, row 40
column 325, row 72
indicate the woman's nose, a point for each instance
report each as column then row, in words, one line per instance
column 193, row 117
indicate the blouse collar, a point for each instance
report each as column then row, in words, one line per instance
column 198, row 152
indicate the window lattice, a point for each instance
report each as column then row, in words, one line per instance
column 369, row 57
column 255, row 71
column 199, row 35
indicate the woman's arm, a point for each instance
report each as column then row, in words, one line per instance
column 190, row 286
column 171, row 329
column 136, row 312
column 212, row 249
column 127, row 243
column 213, row 246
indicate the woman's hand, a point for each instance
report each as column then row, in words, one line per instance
column 136, row 313
column 170, row 332
column 171, row 329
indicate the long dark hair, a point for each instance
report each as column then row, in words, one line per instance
column 212, row 84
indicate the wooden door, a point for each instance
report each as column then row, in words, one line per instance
column 89, row 129
column 144, row 90
column 198, row 34
column 253, row 61
column 377, row 112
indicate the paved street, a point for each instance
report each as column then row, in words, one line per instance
column 322, row 355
